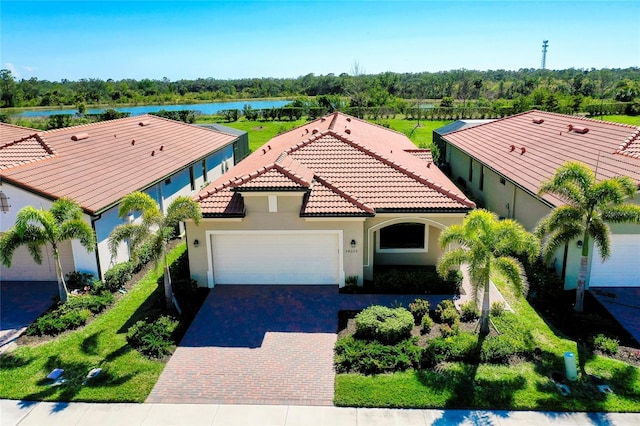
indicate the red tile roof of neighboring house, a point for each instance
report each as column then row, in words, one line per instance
column 97, row 164
column 24, row 150
column 527, row 148
column 347, row 166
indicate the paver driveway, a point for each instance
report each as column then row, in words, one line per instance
column 261, row 345
column 21, row 302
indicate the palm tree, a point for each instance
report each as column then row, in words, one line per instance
column 155, row 229
column 36, row 228
column 486, row 243
column 590, row 204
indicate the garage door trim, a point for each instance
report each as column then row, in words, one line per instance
column 209, row 234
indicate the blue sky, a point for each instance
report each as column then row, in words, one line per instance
column 54, row 40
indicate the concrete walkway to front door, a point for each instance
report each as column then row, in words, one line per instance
column 263, row 344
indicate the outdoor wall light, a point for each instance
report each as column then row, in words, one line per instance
column 353, row 243
column 579, row 243
column 196, row 243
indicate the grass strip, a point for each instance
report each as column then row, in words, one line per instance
column 126, row 376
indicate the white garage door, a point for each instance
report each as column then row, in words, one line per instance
column 623, row 267
column 276, row 258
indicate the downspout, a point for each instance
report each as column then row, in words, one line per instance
column 94, row 219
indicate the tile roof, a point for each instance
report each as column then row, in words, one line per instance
column 97, row 164
column 348, row 167
column 527, row 148
column 24, row 150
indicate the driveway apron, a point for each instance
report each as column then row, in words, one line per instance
column 268, row 344
column 623, row 303
column 21, row 302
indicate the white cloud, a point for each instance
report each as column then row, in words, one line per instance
column 12, row 68
column 28, row 69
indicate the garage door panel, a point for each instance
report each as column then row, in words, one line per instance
column 622, row 269
column 266, row 258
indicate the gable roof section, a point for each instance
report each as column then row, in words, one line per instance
column 27, row 149
column 527, row 148
column 348, row 167
column 97, row 164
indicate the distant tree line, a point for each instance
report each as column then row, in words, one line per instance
column 365, row 90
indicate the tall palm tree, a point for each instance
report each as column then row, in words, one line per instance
column 154, row 228
column 36, row 228
column 486, row 243
column 590, row 204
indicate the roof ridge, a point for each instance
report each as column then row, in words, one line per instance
column 290, row 173
column 344, row 194
column 410, row 173
column 372, row 124
column 631, row 139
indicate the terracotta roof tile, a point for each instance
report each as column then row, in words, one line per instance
column 117, row 157
column 26, row 150
column 611, row 149
column 358, row 168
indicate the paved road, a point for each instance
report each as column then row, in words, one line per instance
column 623, row 303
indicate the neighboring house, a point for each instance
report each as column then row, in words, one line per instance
column 320, row 203
column 501, row 164
column 96, row 165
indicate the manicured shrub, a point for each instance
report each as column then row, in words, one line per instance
column 144, row 255
column 469, row 312
column 373, row 357
column 94, row 303
column 605, row 344
column 419, row 308
column 78, row 280
column 57, row 321
column 426, row 324
column 388, row 325
column 446, row 312
column 415, row 280
column 116, row 277
column 497, row 309
column 450, row 330
column 153, row 339
column 497, row 349
column 462, row 347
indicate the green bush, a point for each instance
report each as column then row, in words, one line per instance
column 469, row 312
column 497, row 349
column 57, row 321
column 373, row 357
column 145, row 254
column 78, row 280
column 462, row 347
column 95, row 303
column 388, row 325
column 116, row 277
column 446, row 312
column 426, row 323
column 419, row 308
column 415, row 280
column 153, row 339
column 605, row 344
column 450, row 330
column 497, row 309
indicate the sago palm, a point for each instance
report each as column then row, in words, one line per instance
column 589, row 206
column 153, row 228
column 485, row 243
column 35, row 228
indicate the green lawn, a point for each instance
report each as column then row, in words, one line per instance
column 260, row 132
column 624, row 119
column 524, row 386
column 126, row 375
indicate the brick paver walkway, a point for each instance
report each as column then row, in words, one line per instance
column 262, row 345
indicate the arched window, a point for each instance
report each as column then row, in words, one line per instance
column 402, row 236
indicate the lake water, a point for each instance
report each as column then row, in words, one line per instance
column 207, row 109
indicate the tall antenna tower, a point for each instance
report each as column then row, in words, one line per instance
column 545, row 45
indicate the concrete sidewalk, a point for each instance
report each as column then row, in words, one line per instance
column 25, row 413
